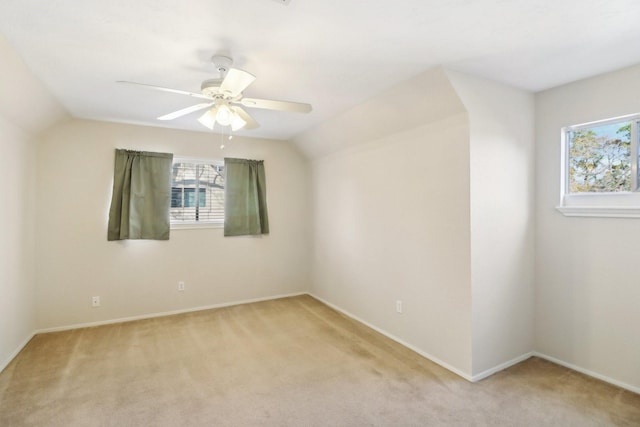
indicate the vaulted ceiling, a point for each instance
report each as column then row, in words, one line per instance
column 331, row 54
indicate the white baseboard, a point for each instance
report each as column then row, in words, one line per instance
column 501, row 367
column 588, row 372
column 164, row 313
column 12, row 356
column 472, row 378
column 488, row 372
column 398, row 340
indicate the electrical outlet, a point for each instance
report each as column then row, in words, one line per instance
column 95, row 301
column 399, row 306
column 181, row 286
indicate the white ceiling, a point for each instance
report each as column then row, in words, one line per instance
column 329, row 53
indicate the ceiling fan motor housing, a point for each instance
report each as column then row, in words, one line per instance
column 211, row 87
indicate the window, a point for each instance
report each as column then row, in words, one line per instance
column 600, row 168
column 197, row 193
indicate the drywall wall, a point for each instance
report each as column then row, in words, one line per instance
column 502, row 219
column 25, row 101
column 25, row 108
column 134, row 278
column 438, row 215
column 17, row 244
column 391, row 222
column 587, row 288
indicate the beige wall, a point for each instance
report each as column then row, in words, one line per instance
column 502, row 220
column 24, row 100
column 391, row 221
column 587, row 288
column 438, row 215
column 17, row 244
column 133, row 278
column 25, row 108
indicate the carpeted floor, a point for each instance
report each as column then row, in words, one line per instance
column 287, row 362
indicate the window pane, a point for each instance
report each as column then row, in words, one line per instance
column 189, row 197
column 203, row 197
column 176, row 197
column 600, row 158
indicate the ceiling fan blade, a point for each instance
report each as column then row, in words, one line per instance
column 185, row 111
column 251, row 123
column 236, row 81
column 269, row 104
column 166, row 89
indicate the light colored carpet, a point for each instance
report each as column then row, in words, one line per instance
column 287, row 362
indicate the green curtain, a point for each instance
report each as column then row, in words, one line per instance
column 245, row 209
column 141, row 196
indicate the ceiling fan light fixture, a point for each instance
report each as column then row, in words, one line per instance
column 237, row 122
column 208, row 119
column 224, row 115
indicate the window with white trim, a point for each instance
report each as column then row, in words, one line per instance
column 197, row 193
column 600, row 168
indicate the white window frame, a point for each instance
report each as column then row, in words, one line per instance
column 610, row 205
column 196, row 224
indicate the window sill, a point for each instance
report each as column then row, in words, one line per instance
column 601, row 205
column 601, row 211
column 195, row 225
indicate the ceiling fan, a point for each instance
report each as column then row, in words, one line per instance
column 224, row 99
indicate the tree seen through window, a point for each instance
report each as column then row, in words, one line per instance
column 600, row 158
